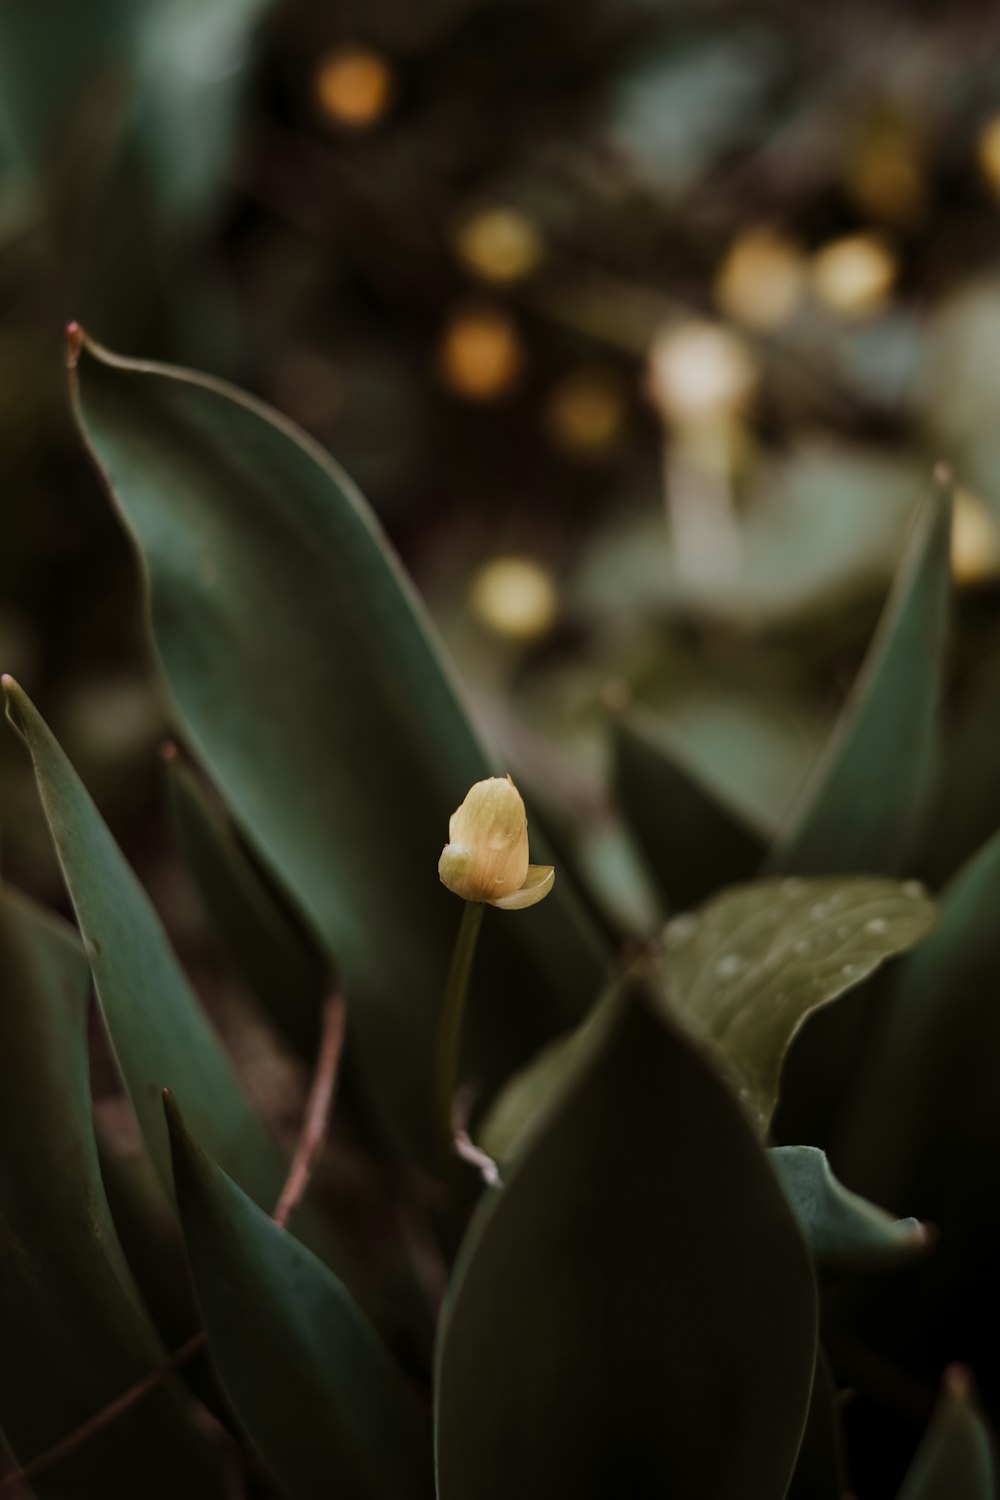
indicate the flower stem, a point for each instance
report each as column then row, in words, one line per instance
column 452, row 1009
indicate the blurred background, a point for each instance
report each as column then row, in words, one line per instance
column 641, row 323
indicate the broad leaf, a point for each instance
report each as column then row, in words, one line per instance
column 73, row 1333
column 273, row 958
column 693, row 842
column 955, row 1461
column 862, row 811
column 927, row 1093
column 820, row 1469
column 159, row 1034
column 546, row 1385
column 306, row 679
column 307, row 1376
column 530, row 1094
column 843, row 1230
column 745, row 971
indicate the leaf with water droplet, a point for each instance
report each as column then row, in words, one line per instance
column 760, row 958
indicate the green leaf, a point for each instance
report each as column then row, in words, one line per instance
column 843, row 1230
column 693, row 842
column 306, row 678
column 746, row 971
column 528, row 1096
column 73, row 1332
column 546, row 1384
column 820, row 1469
column 307, row 1376
column 955, row 1460
column 275, row 961
column 862, row 811
column 159, row 1034
column 929, row 1078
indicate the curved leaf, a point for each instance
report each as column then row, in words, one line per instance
column 955, row 1460
column 745, row 971
column 528, row 1096
column 820, row 1469
column 276, row 962
column 930, row 1076
column 307, row 1376
column 547, row 1384
column 158, row 1031
column 862, row 811
column 692, row 841
column 73, row 1332
column 305, row 676
column 843, row 1230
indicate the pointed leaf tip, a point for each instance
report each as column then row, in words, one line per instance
column 75, row 340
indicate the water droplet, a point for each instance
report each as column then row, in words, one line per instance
column 819, row 911
column 680, row 930
column 914, row 888
column 877, row 926
column 850, row 971
column 801, row 947
column 729, row 966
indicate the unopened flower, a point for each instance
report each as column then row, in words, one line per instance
column 486, row 858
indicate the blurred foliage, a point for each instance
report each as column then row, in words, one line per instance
column 447, row 243
column 641, row 324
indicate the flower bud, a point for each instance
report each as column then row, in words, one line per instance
column 486, row 858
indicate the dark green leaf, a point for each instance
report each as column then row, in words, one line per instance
column 843, row 1230
column 527, row 1097
column 819, row 1469
column 548, row 1385
column 159, row 1033
column 73, row 1332
column 309, row 684
column 745, row 971
column 862, row 811
column 275, row 960
column 930, row 1075
column 693, row 842
column 307, row 1376
column 955, row 1460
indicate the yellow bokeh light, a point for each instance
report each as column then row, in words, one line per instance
column 354, row 87
column 699, row 371
column 499, row 245
column 975, row 541
column 885, row 178
column 988, row 151
column 481, row 354
column 760, row 281
column 514, row 597
column 854, row 276
column 585, row 413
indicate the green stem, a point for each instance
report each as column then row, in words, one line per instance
column 452, row 1009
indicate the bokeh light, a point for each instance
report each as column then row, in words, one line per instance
column 854, row 276
column 515, row 598
column 698, row 370
column 761, row 279
column 354, row 87
column 498, row 245
column 585, row 413
column 481, row 354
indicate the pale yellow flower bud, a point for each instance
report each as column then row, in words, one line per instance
column 486, row 858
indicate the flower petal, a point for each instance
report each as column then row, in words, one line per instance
column 539, row 881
